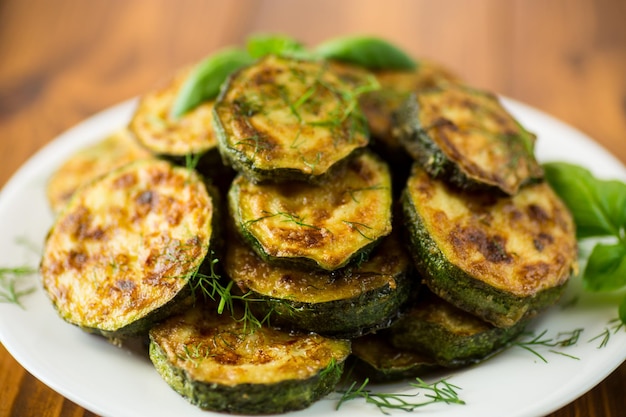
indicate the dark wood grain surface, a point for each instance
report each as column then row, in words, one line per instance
column 62, row 61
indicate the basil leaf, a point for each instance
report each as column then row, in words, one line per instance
column 261, row 45
column 606, row 267
column 596, row 205
column 622, row 311
column 205, row 80
column 368, row 52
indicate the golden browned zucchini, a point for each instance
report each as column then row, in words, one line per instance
column 448, row 335
column 90, row 162
column 218, row 364
column 466, row 136
column 121, row 254
column 375, row 358
column 188, row 139
column 323, row 225
column 500, row 258
column 288, row 119
column 342, row 303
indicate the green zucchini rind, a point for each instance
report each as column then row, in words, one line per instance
column 288, row 119
column 120, row 255
column 498, row 257
column 189, row 139
column 468, row 138
column 448, row 335
column 343, row 304
column 217, row 364
column 325, row 225
column 375, row 358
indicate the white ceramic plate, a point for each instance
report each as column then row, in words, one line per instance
column 113, row 382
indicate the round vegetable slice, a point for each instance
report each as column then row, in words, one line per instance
column 375, row 358
column 189, row 139
column 343, row 303
column 288, row 119
column 323, row 225
column 467, row 137
column 499, row 257
column 217, row 364
column 120, row 255
column 448, row 335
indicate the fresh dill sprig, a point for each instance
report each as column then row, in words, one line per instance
column 613, row 327
column 438, row 392
column 192, row 160
column 562, row 339
column 11, row 289
column 210, row 286
column 355, row 191
column 358, row 227
column 288, row 217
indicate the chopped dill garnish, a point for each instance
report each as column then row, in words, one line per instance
column 438, row 392
column 613, row 327
column 288, row 217
column 358, row 227
column 562, row 339
column 210, row 286
column 11, row 288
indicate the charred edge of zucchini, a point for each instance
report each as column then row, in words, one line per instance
column 500, row 308
column 418, row 144
column 374, row 308
column 375, row 358
column 453, row 338
column 340, row 319
column 254, row 399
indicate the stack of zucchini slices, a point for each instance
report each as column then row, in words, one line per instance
column 493, row 243
column 259, row 240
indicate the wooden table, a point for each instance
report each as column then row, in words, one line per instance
column 62, row 61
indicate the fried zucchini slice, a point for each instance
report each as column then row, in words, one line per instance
column 448, row 335
column 288, row 119
column 344, row 303
column 86, row 164
column 380, row 105
column 187, row 140
column 467, row 137
column 375, row 358
column 501, row 258
column 324, row 225
column 120, row 255
column 218, row 364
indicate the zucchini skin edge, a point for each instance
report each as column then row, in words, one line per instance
column 281, row 397
column 500, row 308
column 422, row 149
column 341, row 319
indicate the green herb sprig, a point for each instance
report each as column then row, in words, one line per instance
column 206, row 78
column 210, row 285
column 366, row 51
column 541, row 340
column 11, row 287
column 441, row 391
column 599, row 210
column 204, row 82
column 612, row 328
